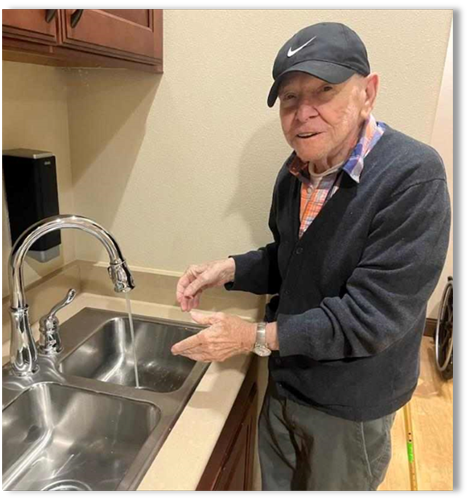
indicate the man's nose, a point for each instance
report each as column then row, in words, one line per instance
column 306, row 111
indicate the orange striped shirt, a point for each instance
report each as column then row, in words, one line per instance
column 314, row 198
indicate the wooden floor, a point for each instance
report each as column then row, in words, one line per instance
column 432, row 423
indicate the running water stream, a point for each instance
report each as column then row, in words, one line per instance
column 131, row 323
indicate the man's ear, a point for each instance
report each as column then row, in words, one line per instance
column 371, row 85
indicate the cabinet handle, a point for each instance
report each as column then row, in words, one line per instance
column 76, row 16
column 50, row 14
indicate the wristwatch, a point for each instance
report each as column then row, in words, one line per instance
column 260, row 347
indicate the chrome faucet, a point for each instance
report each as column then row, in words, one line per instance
column 23, row 351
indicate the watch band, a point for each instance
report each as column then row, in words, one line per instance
column 260, row 334
column 260, row 347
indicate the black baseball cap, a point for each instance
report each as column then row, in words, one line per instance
column 330, row 51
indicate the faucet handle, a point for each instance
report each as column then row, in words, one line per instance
column 71, row 294
column 49, row 326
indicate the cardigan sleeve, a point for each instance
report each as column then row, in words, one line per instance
column 398, row 271
column 257, row 271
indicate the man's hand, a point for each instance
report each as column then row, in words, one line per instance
column 225, row 336
column 198, row 278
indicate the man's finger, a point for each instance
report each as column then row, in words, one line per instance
column 182, row 284
column 203, row 319
column 185, row 305
column 193, row 303
column 186, row 345
column 198, row 285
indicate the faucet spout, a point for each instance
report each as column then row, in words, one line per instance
column 23, row 351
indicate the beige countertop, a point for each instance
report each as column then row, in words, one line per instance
column 195, row 433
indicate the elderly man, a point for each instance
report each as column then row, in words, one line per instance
column 360, row 220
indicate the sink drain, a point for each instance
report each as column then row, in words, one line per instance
column 67, row 485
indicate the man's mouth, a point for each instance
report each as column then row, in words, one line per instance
column 307, row 135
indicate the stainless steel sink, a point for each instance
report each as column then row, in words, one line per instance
column 108, row 355
column 58, row 437
column 79, row 422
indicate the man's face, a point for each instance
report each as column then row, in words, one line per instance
column 332, row 112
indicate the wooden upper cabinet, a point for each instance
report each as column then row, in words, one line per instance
column 37, row 25
column 128, row 33
column 124, row 38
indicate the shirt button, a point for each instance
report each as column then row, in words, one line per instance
column 299, row 250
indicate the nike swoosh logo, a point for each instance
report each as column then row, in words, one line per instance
column 293, row 52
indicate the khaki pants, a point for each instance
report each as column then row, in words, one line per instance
column 301, row 448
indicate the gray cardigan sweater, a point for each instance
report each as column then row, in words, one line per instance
column 350, row 296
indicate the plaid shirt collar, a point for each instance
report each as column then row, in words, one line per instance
column 370, row 135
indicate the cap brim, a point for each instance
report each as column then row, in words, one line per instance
column 329, row 72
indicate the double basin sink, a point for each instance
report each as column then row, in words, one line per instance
column 80, row 422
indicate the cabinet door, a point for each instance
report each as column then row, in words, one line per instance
column 233, row 474
column 37, row 25
column 134, row 34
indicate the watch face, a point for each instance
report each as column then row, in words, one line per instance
column 261, row 350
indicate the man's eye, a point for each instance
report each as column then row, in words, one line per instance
column 327, row 88
column 288, row 97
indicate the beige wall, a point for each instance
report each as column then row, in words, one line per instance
column 183, row 164
column 180, row 167
column 35, row 116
